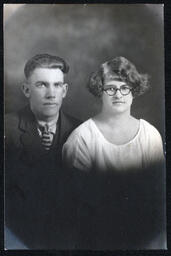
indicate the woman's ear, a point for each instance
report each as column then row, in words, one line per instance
column 26, row 89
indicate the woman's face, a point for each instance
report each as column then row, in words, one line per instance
column 113, row 99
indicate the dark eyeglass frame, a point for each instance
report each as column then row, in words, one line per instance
column 118, row 89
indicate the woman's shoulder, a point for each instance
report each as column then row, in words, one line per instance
column 84, row 130
column 149, row 129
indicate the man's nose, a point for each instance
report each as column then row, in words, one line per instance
column 50, row 92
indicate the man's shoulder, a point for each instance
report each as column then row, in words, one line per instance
column 11, row 130
column 24, row 112
column 12, row 118
column 68, row 119
column 67, row 125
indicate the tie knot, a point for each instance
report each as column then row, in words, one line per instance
column 44, row 129
column 47, row 136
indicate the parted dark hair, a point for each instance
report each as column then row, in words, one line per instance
column 119, row 69
column 45, row 61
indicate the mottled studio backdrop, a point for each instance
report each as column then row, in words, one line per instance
column 86, row 36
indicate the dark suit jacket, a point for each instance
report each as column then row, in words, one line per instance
column 39, row 197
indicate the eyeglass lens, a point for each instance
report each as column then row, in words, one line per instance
column 123, row 90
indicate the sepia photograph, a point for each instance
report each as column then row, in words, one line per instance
column 84, row 114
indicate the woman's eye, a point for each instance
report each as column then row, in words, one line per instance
column 111, row 89
column 125, row 88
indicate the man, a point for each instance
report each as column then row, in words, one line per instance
column 39, row 204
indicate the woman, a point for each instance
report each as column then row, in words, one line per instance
column 114, row 139
column 120, row 162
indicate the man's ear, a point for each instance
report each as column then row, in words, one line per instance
column 65, row 89
column 26, row 89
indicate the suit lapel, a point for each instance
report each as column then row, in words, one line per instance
column 64, row 129
column 32, row 148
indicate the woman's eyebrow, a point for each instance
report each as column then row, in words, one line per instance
column 115, row 85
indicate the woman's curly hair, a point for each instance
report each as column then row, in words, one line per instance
column 119, row 69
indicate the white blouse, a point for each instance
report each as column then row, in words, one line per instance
column 87, row 148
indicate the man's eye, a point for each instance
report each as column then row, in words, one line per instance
column 41, row 85
column 58, row 84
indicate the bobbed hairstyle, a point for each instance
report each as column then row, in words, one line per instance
column 45, row 61
column 119, row 69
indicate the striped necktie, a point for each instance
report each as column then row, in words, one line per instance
column 47, row 137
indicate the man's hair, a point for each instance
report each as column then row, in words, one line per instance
column 45, row 61
column 119, row 69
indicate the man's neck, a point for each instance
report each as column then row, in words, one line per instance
column 49, row 120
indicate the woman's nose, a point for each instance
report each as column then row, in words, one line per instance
column 118, row 93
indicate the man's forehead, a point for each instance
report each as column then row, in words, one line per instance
column 46, row 72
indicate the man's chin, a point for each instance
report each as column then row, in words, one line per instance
column 49, row 114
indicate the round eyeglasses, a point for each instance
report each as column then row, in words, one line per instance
column 124, row 90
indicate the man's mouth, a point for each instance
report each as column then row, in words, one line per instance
column 49, row 104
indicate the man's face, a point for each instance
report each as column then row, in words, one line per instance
column 46, row 89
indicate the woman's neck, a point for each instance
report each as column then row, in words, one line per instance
column 115, row 120
column 117, row 129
